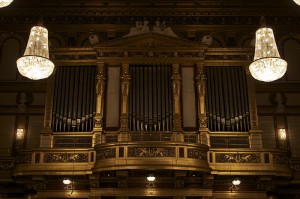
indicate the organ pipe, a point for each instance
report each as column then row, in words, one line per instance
column 74, row 99
column 149, row 98
column 227, row 99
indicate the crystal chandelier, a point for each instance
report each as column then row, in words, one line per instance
column 267, row 65
column 297, row 1
column 35, row 63
column 4, row 3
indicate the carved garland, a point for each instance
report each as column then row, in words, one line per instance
column 238, row 158
column 105, row 154
column 150, row 152
column 23, row 158
column 65, row 157
column 197, row 154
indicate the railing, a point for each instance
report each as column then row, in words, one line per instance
column 149, row 136
column 55, row 161
column 232, row 161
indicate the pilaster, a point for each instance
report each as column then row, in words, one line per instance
column 176, row 88
column 100, row 92
column 125, row 83
column 201, row 92
column 255, row 132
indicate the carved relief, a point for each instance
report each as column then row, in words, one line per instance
column 176, row 88
column 197, row 154
column 151, row 152
column 237, row 158
column 98, row 122
column 201, row 80
column 295, row 166
column 65, row 157
column 106, row 154
column 125, row 77
column 203, row 121
column 280, row 159
column 139, row 28
column 159, row 28
column 176, row 80
column 23, row 158
column 6, row 166
column 100, row 85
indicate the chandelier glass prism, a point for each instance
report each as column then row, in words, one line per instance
column 4, row 3
column 267, row 65
column 35, row 63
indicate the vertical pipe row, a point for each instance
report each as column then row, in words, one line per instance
column 74, row 100
column 227, row 99
column 150, row 97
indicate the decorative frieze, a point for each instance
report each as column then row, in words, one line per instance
column 238, row 158
column 280, row 159
column 151, row 152
column 23, row 158
column 65, row 157
column 197, row 154
column 106, row 154
column 174, row 16
column 6, row 166
column 295, row 166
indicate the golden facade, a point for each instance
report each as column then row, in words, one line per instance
column 149, row 88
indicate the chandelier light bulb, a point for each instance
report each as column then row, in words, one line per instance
column 4, row 3
column 67, row 181
column 297, row 1
column 267, row 65
column 151, row 178
column 35, row 63
column 282, row 134
column 236, row 182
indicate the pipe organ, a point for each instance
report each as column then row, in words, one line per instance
column 74, row 100
column 150, row 98
column 227, row 99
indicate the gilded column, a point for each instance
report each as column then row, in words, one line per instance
column 201, row 92
column 125, row 82
column 176, row 88
column 255, row 132
column 100, row 87
column 46, row 132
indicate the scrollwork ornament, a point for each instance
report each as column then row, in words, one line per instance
column 151, row 152
column 124, row 122
column 6, row 166
column 238, row 158
column 203, row 122
column 197, row 154
column 98, row 122
column 105, row 154
column 23, row 158
column 65, row 157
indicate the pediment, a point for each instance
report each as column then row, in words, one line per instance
column 149, row 40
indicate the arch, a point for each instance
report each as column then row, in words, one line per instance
column 218, row 41
column 83, row 39
column 9, row 35
column 245, row 40
column 289, row 48
column 56, row 40
column 10, row 52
